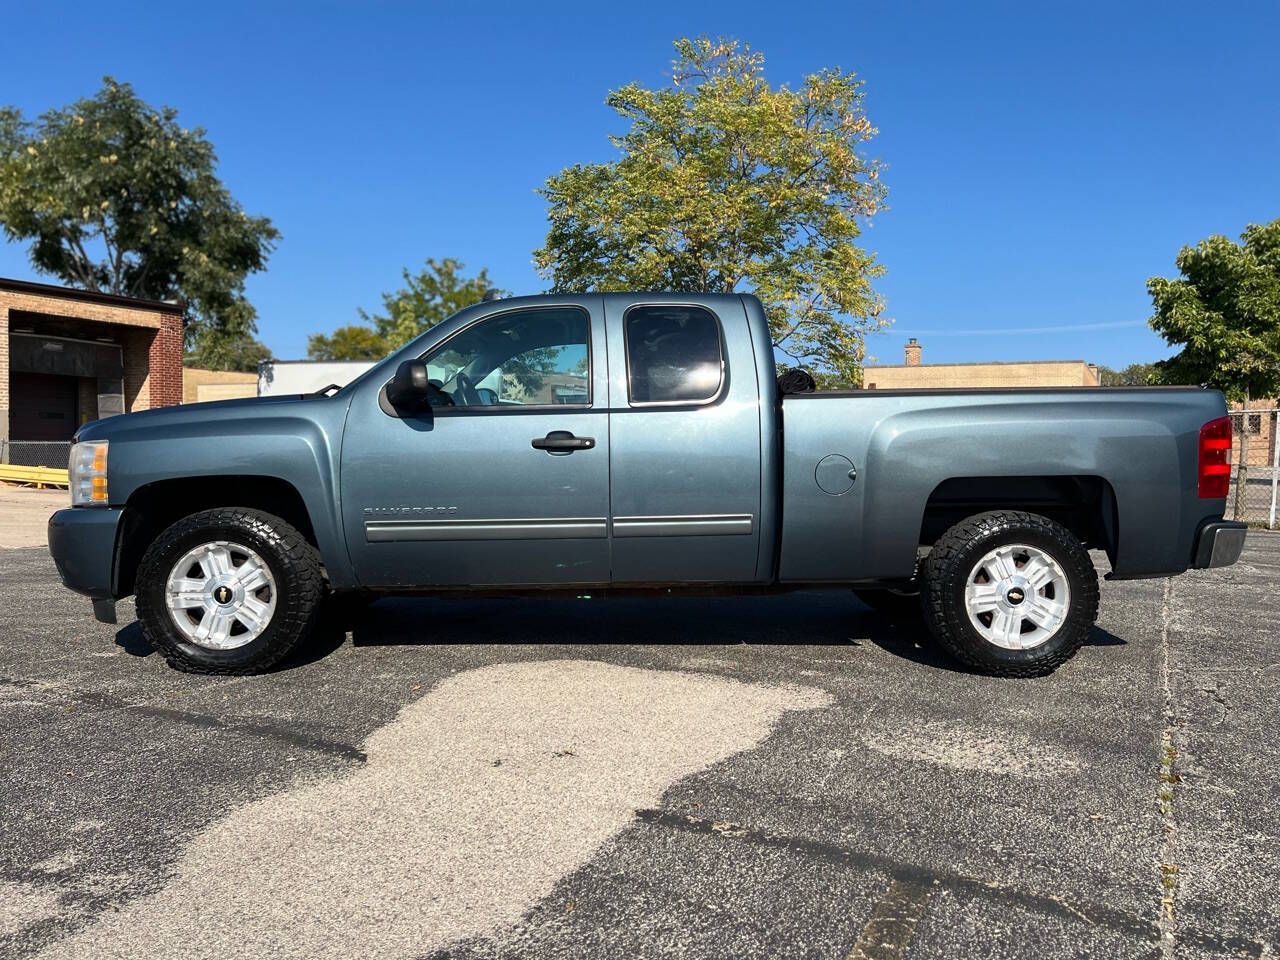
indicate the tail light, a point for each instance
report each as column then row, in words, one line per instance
column 1214, row 474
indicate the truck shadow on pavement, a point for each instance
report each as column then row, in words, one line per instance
column 825, row 619
column 791, row 620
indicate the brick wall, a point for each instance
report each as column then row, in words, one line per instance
column 165, row 359
column 1261, row 427
column 4, row 370
column 68, row 306
column 149, row 334
column 135, row 347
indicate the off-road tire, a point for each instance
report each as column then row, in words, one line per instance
column 953, row 558
column 293, row 561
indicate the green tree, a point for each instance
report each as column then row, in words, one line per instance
column 1134, row 375
column 115, row 196
column 1224, row 311
column 351, row 342
column 725, row 183
column 432, row 295
column 220, row 351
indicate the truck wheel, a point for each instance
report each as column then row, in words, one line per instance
column 1010, row 594
column 228, row 591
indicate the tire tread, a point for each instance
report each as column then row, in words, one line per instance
column 292, row 622
column 941, row 568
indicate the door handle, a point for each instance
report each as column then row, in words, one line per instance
column 562, row 441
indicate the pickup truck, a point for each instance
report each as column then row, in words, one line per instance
column 638, row 442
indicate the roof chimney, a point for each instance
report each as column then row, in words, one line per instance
column 913, row 353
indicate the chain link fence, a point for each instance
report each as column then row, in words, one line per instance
column 35, row 453
column 1255, row 466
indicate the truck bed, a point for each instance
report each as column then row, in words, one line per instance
column 1133, row 448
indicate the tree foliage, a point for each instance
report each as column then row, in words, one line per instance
column 221, row 351
column 725, row 183
column 1134, row 375
column 114, row 195
column 354, row 341
column 433, row 294
column 1225, row 312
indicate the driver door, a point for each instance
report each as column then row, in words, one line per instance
column 504, row 479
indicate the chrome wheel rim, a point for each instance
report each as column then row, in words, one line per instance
column 1017, row 596
column 221, row 595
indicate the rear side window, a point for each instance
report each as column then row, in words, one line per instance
column 673, row 354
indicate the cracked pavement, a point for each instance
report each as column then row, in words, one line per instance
column 738, row 777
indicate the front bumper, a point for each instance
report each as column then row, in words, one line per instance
column 1219, row 544
column 82, row 542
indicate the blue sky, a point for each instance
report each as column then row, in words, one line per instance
column 1043, row 160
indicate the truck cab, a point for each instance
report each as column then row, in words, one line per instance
column 619, row 442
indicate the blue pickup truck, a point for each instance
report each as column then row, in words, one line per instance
column 638, row 442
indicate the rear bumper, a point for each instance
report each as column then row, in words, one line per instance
column 82, row 542
column 1219, row 544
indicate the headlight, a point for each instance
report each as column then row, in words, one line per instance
column 87, row 472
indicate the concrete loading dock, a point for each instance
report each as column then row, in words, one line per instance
column 71, row 356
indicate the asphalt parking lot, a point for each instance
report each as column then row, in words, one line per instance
column 764, row 777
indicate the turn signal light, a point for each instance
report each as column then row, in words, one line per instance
column 87, row 473
column 1213, row 478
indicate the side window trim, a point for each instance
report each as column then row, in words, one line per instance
column 724, row 360
column 518, row 408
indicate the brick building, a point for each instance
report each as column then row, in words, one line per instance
column 1254, row 432
column 70, row 356
column 913, row 374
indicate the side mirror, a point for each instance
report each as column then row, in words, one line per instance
column 409, row 388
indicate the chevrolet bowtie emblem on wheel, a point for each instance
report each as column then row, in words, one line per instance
column 222, row 594
column 1015, row 595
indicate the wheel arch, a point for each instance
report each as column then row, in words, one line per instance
column 153, row 507
column 1085, row 504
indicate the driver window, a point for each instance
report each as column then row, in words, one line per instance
column 522, row 359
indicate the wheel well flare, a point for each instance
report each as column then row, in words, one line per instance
column 1085, row 505
column 152, row 508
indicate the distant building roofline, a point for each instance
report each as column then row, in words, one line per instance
column 974, row 363
column 88, row 296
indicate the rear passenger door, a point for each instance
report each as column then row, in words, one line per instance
column 684, row 427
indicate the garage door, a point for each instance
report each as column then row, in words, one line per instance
column 43, row 406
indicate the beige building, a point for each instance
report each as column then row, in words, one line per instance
column 914, row 374
column 199, row 386
column 1260, row 423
